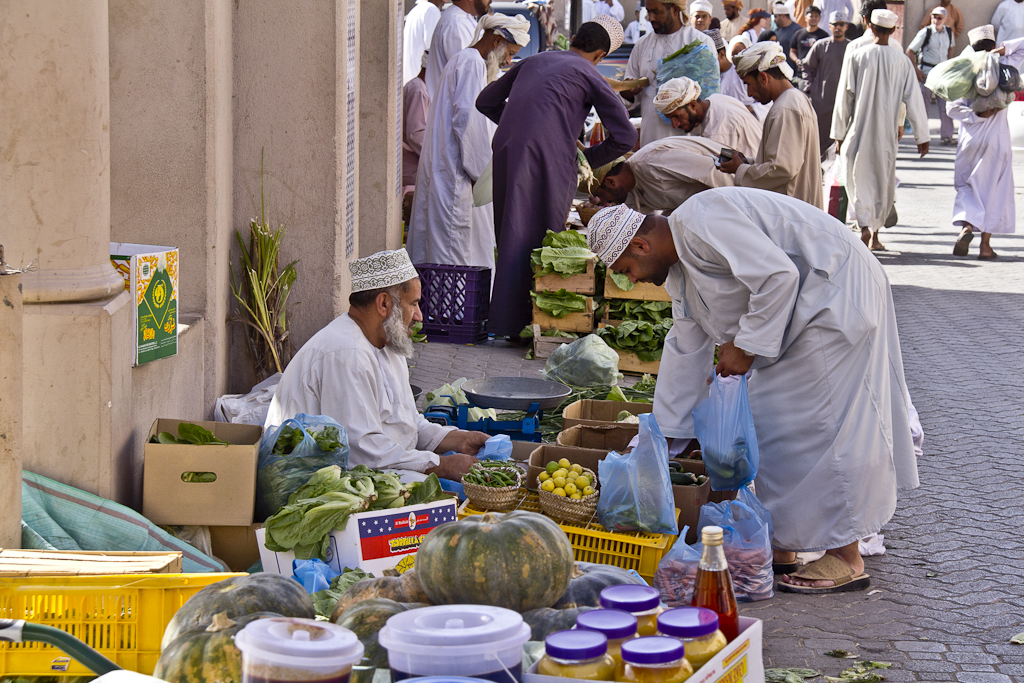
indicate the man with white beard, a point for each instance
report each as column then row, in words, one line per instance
column 354, row 370
column 445, row 227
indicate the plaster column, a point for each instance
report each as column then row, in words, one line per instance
column 380, row 125
column 55, row 190
column 10, row 409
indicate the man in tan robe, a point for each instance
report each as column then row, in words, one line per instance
column 663, row 175
column 787, row 160
column 721, row 118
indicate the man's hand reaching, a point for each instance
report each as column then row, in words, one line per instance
column 453, row 466
column 732, row 361
column 462, row 442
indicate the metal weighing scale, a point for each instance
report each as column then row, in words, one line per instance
column 533, row 396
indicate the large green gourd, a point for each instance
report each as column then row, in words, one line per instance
column 367, row 618
column 236, row 597
column 546, row 620
column 207, row 656
column 587, row 582
column 403, row 588
column 520, row 560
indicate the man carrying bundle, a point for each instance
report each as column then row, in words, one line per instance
column 720, row 118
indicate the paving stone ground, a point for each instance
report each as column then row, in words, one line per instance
column 949, row 593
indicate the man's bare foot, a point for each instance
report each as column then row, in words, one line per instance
column 876, row 244
column 850, row 555
column 985, row 252
column 865, row 235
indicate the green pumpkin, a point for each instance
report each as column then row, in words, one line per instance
column 236, row 597
column 587, row 582
column 403, row 588
column 547, row 620
column 519, row 560
column 366, row 619
column 207, row 656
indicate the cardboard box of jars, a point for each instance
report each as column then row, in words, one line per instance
column 740, row 662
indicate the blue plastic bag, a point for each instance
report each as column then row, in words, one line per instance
column 314, row 575
column 496, row 448
column 636, row 493
column 724, row 427
column 700, row 64
column 279, row 476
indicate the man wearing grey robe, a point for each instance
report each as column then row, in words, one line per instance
column 790, row 294
column 821, row 69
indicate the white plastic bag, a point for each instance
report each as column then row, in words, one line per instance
column 987, row 80
column 251, row 408
column 587, row 362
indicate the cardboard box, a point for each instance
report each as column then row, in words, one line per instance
column 581, row 283
column 521, row 450
column 151, row 276
column 689, row 499
column 643, row 291
column 544, row 453
column 582, row 322
column 742, row 661
column 228, row 501
column 24, row 563
column 611, row 437
column 595, row 412
column 372, row 541
column 236, row 546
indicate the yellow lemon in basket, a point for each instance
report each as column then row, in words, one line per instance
column 548, row 486
column 559, row 482
column 583, row 480
column 559, row 492
column 570, row 488
column 578, row 469
column 551, row 467
column 570, row 475
column 543, row 476
column 564, row 463
column 587, row 490
column 575, row 496
column 560, row 473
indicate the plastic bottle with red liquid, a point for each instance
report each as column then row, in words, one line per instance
column 712, row 587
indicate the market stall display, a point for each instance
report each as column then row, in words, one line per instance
column 653, row 659
column 616, row 625
column 578, row 654
column 637, row 319
column 564, row 283
column 366, row 618
column 492, row 485
column 297, row 650
column 207, row 654
column 529, row 395
column 568, row 491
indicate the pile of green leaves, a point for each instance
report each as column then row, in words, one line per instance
column 565, row 253
column 288, row 439
column 326, row 501
column 861, row 672
column 793, row 675
column 527, row 333
column 644, row 339
column 621, row 281
column 326, row 600
column 632, row 309
column 190, row 435
column 561, row 303
column 684, row 50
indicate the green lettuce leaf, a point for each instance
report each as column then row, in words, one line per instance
column 561, row 303
column 621, row 281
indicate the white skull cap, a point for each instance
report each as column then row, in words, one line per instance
column 610, row 231
column 383, row 269
column 613, row 28
column 884, row 18
column 986, row 32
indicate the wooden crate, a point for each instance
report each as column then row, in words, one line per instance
column 581, row 283
column 543, row 346
column 15, row 563
column 629, row 361
column 573, row 322
column 642, row 290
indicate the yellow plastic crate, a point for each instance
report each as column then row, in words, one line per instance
column 593, row 543
column 123, row 617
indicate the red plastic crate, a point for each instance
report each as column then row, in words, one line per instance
column 454, row 297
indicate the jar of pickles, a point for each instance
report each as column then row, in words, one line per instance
column 653, row 659
column 697, row 627
column 643, row 602
column 577, row 654
column 616, row 625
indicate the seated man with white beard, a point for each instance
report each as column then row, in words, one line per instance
column 355, row 371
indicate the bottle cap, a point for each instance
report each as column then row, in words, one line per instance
column 630, row 598
column 613, row 623
column 652, row 650
column 576, row 645
column 687, row 622
column 296, row 643
column 711, row 535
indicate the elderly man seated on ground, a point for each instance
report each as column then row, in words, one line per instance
column 354, row 370
column 719, row 117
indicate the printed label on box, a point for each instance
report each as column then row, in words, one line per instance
column 60, row 664
column 391, row 534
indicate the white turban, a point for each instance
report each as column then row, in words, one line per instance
column 762, row 57
column 986, row 32
column 514, row 29
column 741, row 39
column 700, row 6
column 613, row 28
column 610, row 231
column 383, row 269
column 884, row 18
column 675, row 93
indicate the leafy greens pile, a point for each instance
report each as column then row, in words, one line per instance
column 188, row 434
column 326, row 600
column 331, row 495
column 621, row 281
column 637, row 336
column 561, row 303
column 631, row 309
column 288, row 439
column 565, row 253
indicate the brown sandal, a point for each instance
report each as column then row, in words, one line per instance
column 828, row 568
column 963, row 242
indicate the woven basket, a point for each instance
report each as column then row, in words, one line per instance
column 564, row 508
column 490, row 498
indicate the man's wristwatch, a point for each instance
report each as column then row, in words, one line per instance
column 748, row 354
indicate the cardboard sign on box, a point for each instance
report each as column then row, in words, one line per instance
column 228, row 501
column 742, row 661
column 150, row 275
column 372, row 541
column 594, row 412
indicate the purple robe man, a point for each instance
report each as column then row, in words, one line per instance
column 534, row 165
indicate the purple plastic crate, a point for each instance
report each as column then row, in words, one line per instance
column 454, row 296
column 474, row 333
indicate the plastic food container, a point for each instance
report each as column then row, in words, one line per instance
column 616, row 625
column 643, row 602
column 578, row 654
column 697, row 627
column 653, row 659
column 477, row 641
column 297, row 650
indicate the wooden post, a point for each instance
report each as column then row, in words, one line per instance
column 10, row 408
column 575, row 16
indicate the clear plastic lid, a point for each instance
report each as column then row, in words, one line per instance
column 576, row 646
column 299, row 642
column 687, row 622
column 613, row 623
column 457, row 629
column 653, row 650
column 630, row 598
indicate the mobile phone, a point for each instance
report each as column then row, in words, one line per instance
column 725, row 155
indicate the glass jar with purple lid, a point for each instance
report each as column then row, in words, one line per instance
column 653, row 659
column 643, row 602
column 577, row 654
column 617, row 626
column 697, row 627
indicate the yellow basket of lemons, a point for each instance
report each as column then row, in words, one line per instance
column 568, row 491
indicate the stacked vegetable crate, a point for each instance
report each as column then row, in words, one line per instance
column 564, row 289
column 640, row 292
